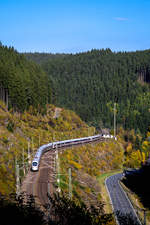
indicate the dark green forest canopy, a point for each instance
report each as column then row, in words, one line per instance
column 89, row 83
column 24, row 82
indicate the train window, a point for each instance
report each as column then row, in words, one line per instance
column 34, row 163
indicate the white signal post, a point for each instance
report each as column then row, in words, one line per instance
column 29, row 155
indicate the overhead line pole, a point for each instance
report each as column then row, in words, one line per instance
column 70, row 184
column 17, row 180
column 115, row 119
column 58, row 171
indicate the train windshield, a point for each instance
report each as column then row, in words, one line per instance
column 34, row 164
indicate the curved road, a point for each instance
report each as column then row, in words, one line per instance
column 118, row 197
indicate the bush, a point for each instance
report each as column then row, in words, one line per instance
column 68, row 212
column 10, row 126
column 13, row 211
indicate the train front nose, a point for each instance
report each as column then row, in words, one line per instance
column 34, row 166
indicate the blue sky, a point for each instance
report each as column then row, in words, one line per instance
column 69, row 26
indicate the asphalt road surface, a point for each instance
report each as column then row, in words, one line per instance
column 119, row 199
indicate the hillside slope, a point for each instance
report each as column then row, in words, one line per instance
column 88, row 163
column 21, row 133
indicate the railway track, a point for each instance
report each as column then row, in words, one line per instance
column 42, row 182
column 38, row 183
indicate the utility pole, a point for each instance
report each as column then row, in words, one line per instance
column 39, row 140
column 53, row 137
column 58, row 170
column 23, row 161
column 17, row 180
column 49, row 204
column 29, row 154
column 48, row 188
column 32, row 145
column 70, row 184
column 7, row 98
column 144, row 217
column 114, row 119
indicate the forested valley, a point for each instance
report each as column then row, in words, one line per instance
column 91, row 82
column 33, row 86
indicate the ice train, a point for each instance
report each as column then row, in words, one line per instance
column 59, row 144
